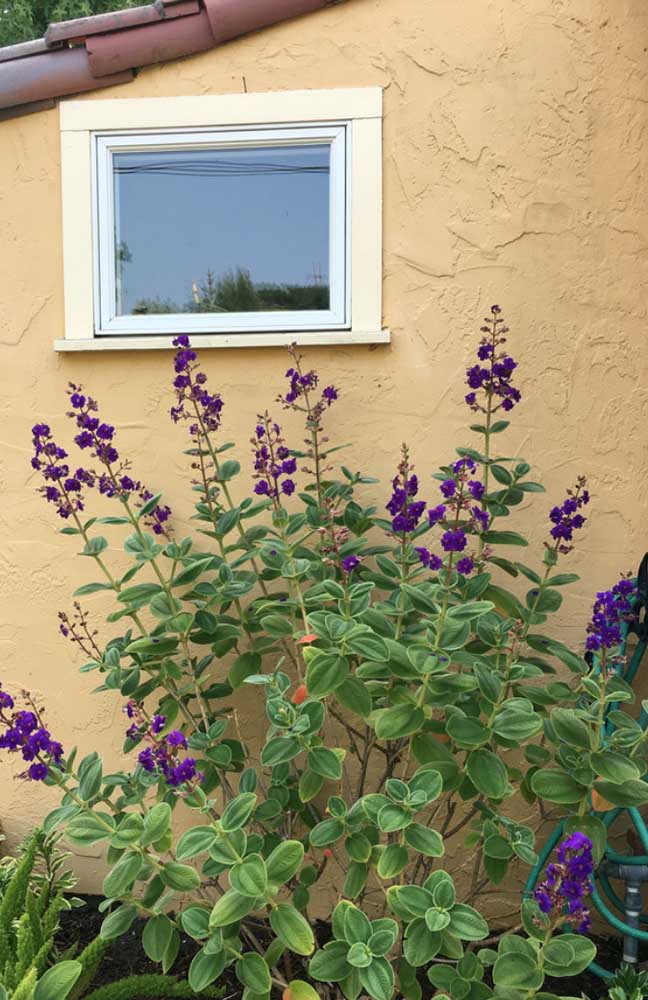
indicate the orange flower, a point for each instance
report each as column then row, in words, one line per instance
column 307, row 639
column 328, row 853
column 300, row 695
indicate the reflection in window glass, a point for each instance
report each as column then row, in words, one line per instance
column 242, row 229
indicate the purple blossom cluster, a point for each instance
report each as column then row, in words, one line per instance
column 62, row 486
column 568, row 883
column 302, row 395
column 26, row 734
column 611, row 609
column 566, row 519
column 194, row 401
column 491, row 376
column 98, row 436
column 349, row 563
column 301, row 383
column 161, row 755
column 461, row 497
column 273, row 463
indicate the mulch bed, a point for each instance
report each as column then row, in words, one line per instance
column 125, row 957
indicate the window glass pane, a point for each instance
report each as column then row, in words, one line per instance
column 238, row 229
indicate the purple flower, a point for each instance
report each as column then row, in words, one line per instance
column 454, row 540
column 24, row 732
column 448, row 488
column 272, row 460
column 429, row 560
column 491, row 376
column 194, row 402
column 48, row 459
column 480, row 518
column 349, row 563
column 38, row 772
column 611, row 609
column 465, row 566
column 476, row 489
column 146, row 759
column 182, row 772
column 436, row 514
column 406, row 512
column 565, row 519
column 330, row 394
column 177, row 739
column 568, row 883
column 158, row 723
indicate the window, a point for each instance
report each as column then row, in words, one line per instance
column 241, row 219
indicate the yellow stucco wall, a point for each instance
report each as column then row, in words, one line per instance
column 515, row 164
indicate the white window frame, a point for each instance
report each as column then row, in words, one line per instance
column 92, row 130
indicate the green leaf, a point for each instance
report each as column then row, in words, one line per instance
column 252, row 970
column 368, row 645
column 292, row 929
column 157, row 936
column 401, row 720
column 118, row 922
column 467, row 731
column 91, row 588
column 57, row 982
column 280, row 750
column 244, row 666
column 393, row 860
column 466, row 923
column 421, row 944
column 238, row 811
column 195, row 921
column 249, row 876
column 232, row 906
column 378, row 979
column 299, row 990
column 183, row 878
column 95, row 546
column 325, row 762
column 156, row 823
column 422, row 839
column 488, row 773
column 91, row 777
column 517, row 971
column 205, row 968
column 570, row 728
column 326, row 672
column 628, row 793
column 469, row 610
column 120, row 878
column 329, row 964
column 193, row 842
column 556, row 786
column 503, row 538
column 90, row 828
column 285, row 861
column 614, row 767
column 584, row 952
column 353, row 694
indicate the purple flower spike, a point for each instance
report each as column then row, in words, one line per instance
column 566, row 519
column 406, row 512
column 273, row 463
column 611, row 609
column 194, row 402
column 454, row 540
column 568, row 883
column 26, row 734
column 490, row 379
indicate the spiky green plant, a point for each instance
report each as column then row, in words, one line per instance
column 155, row 986
column 629, row 984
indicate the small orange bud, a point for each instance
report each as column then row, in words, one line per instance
column 286, row 994
column 307, row 639
column 328, row 853
column 300, row 695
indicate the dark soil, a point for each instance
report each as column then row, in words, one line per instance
column 126, row 957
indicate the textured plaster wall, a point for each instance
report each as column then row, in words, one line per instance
column 516, row 155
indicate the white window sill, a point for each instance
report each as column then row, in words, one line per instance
column 151, row 343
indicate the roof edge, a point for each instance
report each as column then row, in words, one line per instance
column 92, row 52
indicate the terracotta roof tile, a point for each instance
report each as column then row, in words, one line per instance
column 106, row 49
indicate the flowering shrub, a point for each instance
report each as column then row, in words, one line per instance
column 409, row 702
